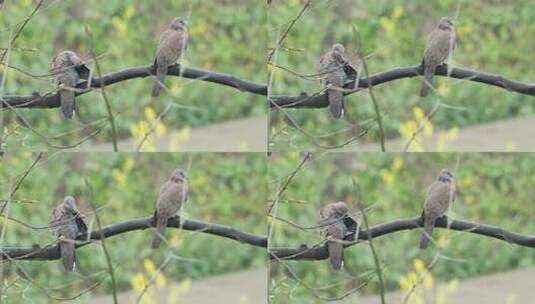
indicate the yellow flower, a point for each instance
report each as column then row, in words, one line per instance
column 149, row 113
column 199, row 28
column 149, row 266
column 129, row 164
column 418, row 113
column 419, row 265
column 428, row 128
column 408, row 129
column 398, row 12
column 119, row 177
column 387, row 25
column 387, row 177
column 397, row 164
column 119, row 25
column 129, row 12
column 138, row 282
column 464, row 30
column 466, row 181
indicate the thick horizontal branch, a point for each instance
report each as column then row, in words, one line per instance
column 320, row 101
column 319, row 252
column 52, row 252
column 52, row 100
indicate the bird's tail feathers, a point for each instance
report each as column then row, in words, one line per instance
column 67, row 103
column 68, row 254
column 429, row 72
column 161, row 224
column 161, row 72
column 426, row 235
column 336, row 102
column 336, row 254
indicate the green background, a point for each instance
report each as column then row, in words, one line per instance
column 494, row 189
column 226, row 189
column 493, row 36
column 126, row 34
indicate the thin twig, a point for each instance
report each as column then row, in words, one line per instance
column 103, row 91
column 370, row 242
column 103, row 242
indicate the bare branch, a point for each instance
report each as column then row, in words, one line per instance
column 320, row 100
column 52, row 100
column 319, row 252
column 52, row 252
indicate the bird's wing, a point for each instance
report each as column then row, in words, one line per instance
column 83, row 71
column 80, row 222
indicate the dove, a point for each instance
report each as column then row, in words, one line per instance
column 440, row 196
column 173, row 43
column 439, row 44
column 173, row 195
column 336, row 225
column 334, row 70
column 67, row 69
column 67, row 223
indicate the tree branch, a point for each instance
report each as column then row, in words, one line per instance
column 303, row 252
column 52, row 252
column 320, row 252
column 320, row 100
column 52, row 100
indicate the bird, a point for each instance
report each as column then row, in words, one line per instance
column 67, row 223
column 173, row 194
column 172, row 45
column 336, row 225
column 67, row 69
column 334, row 70
column 440, row 43
column 440, row 195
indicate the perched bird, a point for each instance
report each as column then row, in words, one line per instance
column 67, row 223
column 173, row 194
column 335, row 70
column 67, row 69
column 336, row 225
column 173, row 43
column 439, row 44
column 440, row 196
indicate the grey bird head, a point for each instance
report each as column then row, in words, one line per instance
column 445, row 176
column 178, row 176
column 70, row 203
column 340, row 208
column 446, row 23
column 339, row 48
column 71, row 57
column 179, row 23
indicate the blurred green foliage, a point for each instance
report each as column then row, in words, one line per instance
column 226, row 189
column 494, row 37
column 222, row 38
column 495, row 189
